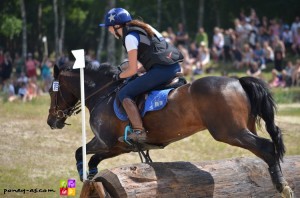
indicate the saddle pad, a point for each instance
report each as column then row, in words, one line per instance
column 155, row 101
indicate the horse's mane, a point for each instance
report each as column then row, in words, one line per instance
column 104, row 68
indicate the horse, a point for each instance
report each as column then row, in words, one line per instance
column 229, row 108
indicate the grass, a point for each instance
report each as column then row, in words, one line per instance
column 34, row 156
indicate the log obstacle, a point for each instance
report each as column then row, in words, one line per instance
column 240, row 177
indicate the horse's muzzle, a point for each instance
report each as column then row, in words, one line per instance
column 56, row 123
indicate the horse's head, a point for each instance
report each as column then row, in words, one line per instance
column 63, row 102
column 65, row 89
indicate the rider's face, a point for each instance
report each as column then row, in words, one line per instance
column 112, row 31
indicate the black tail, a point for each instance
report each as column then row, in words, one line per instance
column 263, row 106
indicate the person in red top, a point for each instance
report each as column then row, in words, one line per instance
column 31, row 66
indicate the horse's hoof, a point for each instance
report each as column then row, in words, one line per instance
column 287, row 192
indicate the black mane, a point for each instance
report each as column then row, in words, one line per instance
column 104, row 68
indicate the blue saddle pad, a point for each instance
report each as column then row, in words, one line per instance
column 156, row 100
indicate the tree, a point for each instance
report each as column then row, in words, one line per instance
column 24, row 30
column 111, row 43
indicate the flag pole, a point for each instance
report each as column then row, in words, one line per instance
column 80, row 63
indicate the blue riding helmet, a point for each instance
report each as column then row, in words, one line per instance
column 116, row 16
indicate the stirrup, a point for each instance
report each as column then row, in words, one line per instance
column 133, row 135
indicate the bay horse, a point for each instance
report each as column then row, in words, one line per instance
column 228, row 108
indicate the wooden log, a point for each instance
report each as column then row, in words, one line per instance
column 241, row 177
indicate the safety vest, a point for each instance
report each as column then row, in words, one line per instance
column 153, row 50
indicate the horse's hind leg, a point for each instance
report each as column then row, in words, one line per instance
column 261, row 147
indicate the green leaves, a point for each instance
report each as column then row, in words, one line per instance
column 10, row 26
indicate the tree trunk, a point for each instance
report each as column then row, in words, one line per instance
column 111, row 45
column 62, row 28
column 102, row 37
column 39, row 32
column 24, row 30
column 182, row 12
column 200, row 13
column 56, row 40
column 241, row 177
column 158, row 14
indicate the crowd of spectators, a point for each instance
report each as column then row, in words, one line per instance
column 253, row 44
column 24, row 79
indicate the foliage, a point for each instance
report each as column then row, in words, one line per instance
column 10, row 26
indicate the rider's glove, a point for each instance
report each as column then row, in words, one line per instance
column 116, row 77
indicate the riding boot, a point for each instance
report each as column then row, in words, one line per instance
column 139, row 133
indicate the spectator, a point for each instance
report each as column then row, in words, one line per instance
column 46, row 74
column 258, row 56
column 193, row 54
column 287, row 37
column 247, row 55
column 18, row 64
column 278, row 74
column 9, row 90
column 166, row 36
column 268, row 52
column 32, row 90
column 204, row 56
column 228, row 42
column 296, row 74
column 263, row 35
column 181, row 36
column 201, row 36
column 22, row 92
column 63, row 59
column 31, row 66
column 6, row 66
column 295, row 26
column 289, row 69
column 278, row 45
column 218, row 43
column 172, row 35
column 254, row 70
column 186, row 67
column 296, row 45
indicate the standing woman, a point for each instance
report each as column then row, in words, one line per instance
column 145, row 45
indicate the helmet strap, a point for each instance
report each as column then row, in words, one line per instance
column 117, row 35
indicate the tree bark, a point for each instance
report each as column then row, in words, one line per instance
column 200, row 13
column 111, row 43
column 182, row 12
column 24, row 30
column 56, row 40
column 62, row 28
column 158, row 14
column 241, row 177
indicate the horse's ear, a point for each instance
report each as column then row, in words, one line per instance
column 55, row 71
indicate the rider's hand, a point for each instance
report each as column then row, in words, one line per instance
column 116, row 77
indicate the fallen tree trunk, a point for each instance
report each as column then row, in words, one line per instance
column 241, row 177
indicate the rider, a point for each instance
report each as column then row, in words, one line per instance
column 147, row 46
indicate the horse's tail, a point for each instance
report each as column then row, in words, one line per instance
column 263, row 106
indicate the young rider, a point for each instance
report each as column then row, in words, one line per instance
column 147, row 46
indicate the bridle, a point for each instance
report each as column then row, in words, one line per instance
column 75, row 109
column 63, row 113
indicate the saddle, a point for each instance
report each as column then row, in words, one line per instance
column 140, row 100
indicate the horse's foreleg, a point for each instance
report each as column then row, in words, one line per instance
column 91, row 147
